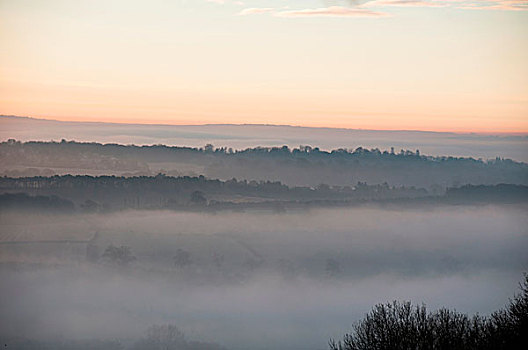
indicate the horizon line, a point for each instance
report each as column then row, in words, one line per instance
column 52, row 119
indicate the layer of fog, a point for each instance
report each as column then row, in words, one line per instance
column 468, row 258
column 243, row 136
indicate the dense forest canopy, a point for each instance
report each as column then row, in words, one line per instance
column 302, row 166
column 108, row 193
column 144, row 192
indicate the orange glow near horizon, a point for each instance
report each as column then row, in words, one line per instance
column 397, row 112
column 355, row 126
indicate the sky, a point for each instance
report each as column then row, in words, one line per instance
column 436, row 65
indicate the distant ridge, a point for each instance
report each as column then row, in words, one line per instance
column 224, row 125
column 241, row 136
column 260, row 125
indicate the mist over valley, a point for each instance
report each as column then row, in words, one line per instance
column 108, row 246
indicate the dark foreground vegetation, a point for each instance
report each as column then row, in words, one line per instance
column 403, row 326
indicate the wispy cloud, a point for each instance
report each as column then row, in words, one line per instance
column 222, row 2
column 404, row 3
column 354, row 9
column 255, row 11
column 332, row 11
column 501, row 5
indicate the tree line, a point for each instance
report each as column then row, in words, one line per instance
column 144, row 192
column 110, row 193
column 301, row 166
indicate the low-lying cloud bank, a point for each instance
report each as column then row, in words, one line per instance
column 254, row 280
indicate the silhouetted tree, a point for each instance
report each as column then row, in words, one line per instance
column 218, row 259
column 162, row 337
column 333, row 267
column 396, row 326
column 120, row 256
column 169, row 337
column 182, row 258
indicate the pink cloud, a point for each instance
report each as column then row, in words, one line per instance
column 403, row 3
column 332, row 11
column 503, row 5
column 255, row 11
